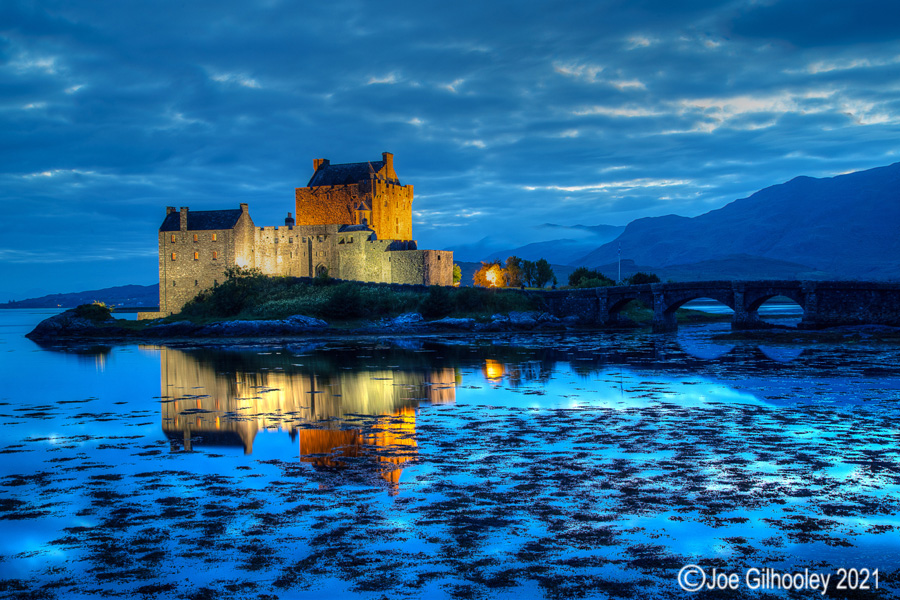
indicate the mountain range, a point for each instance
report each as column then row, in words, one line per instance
column 847, row 226
column 579, row 241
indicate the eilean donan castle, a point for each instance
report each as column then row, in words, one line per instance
column 354, row 221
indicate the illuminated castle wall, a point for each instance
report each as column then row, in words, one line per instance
column 354, row 222
column 358, row 193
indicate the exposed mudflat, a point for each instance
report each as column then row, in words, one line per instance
column 558, row 466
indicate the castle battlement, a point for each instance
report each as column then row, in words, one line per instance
column 353, row 222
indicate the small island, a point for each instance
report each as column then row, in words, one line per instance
column 250, row 304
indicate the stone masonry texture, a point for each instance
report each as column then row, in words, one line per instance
column 358, row 230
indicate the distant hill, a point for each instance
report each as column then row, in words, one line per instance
column 846, row 226
column 575, row 241
column 554, row 251
column 123, row 295
column 729, row 267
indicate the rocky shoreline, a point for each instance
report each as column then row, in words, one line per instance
column 69, row 326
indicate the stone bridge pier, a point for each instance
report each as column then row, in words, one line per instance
column 824, row 303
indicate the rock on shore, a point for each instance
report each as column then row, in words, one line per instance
column 69, row 325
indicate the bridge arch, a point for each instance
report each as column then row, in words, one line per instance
column 757, row 300
column 668, row 298
column 754, row 306
column 618, row 299
column 757, row 294
column 725, row 297
column 617, row 305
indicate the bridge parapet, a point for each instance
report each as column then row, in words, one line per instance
column 824, row 303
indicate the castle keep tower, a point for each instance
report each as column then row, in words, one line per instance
column 358, row 193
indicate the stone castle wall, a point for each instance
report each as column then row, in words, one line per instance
column 193, row 260
column 334, row 204
column 201, row 258
column 391, row 204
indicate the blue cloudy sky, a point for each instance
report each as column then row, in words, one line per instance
column 504, row 115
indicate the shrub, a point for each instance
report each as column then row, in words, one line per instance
column 96, row 311
column 345, row 302
column 437, row 303
column 641, row 277
column 322, row 276
column 582, row 277
column 469, row 299
column 382, row 300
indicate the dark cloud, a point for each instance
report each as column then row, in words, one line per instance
column 808, row 23
column 503, row 115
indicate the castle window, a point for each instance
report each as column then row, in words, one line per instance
column 276, row 240
column 173, row 238
column 196, row 256
column 290, row 240
column 173, row 283
column 196, row 283
column 215, row 237
column 173, row 256
column 215, row 282
column 196, row 238
column 215, row 255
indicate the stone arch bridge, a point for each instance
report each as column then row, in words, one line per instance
column 824, row 303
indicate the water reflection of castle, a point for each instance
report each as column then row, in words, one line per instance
column 220, row 398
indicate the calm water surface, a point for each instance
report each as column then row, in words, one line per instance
column 553, row 465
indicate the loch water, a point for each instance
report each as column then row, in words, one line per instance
column 531, row 465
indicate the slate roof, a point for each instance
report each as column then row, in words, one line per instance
column 344, row 228
column 345, row 173
column 201, row 220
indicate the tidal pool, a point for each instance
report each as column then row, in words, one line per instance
column 552, row 465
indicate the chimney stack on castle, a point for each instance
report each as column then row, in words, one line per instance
column 289, row 221
column 320, row 162
column 184, row 217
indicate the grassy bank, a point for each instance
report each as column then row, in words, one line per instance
column 255, row 296
column 248, row 295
